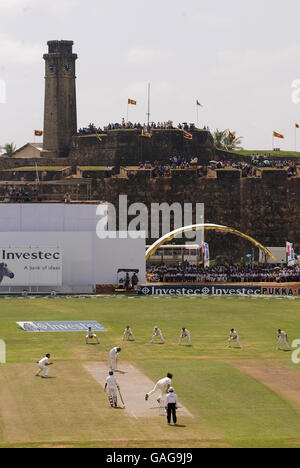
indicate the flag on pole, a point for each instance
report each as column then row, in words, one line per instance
column 38, row 132
column 198, row 103
column 206, row 255
column 278, row 135
column 290, row 254
column 187, row 135
column 132, row 102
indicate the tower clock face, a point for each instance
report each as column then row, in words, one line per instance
column 67, row 68
column 51, row 68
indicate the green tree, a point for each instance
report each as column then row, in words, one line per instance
column 9, row 149
column 227, row 140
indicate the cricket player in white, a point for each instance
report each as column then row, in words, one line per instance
column 43, row 365
column 282, row 336
column 91, row 335
column 128, row 334
column 185, row 334
column 113, row 358
column 162, row 386
column 157, row 333
column 234, row 337
column 111, row 385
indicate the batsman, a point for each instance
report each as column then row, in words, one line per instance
column 111, row 386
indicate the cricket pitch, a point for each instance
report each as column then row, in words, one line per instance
column 134, row 385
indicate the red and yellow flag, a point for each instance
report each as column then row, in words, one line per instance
column 146, row 134
column 38, row 132
column 132, row 102
column 278, row 135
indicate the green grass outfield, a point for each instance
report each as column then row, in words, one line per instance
column 230, row 408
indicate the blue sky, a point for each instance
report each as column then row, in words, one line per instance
column 239, row 59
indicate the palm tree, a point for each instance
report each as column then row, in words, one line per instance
column 9, row 149
column 227, row 140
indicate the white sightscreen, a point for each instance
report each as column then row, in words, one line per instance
column 86, row 259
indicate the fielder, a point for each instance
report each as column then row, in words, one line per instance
column 128, row 334
column 282, row 336
column 113, row 358
column 234, row 337
column 185, row 334
column 163, row 386
column 112, row 386
column 157, row 332
column 90, row 336
column 43, row 365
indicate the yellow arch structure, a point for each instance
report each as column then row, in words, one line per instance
column 197, row 227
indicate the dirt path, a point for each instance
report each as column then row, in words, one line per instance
column 282, row 380
column 134, row 385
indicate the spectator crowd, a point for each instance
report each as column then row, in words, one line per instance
column 222, row 274
column 21, row 195
column 163, row 168
column 92, row 129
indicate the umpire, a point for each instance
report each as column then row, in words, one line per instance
column 171, row 406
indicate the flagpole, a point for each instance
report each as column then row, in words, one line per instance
column 148, row 113
column 197, row 114
column 127, row 110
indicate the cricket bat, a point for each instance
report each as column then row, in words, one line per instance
column 121, row 397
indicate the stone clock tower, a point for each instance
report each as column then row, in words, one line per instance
column 60, row 115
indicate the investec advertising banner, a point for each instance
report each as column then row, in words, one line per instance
column 30, row 266
column 219, row 290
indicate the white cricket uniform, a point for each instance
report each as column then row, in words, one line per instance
column 185, row 334
column 42, row 366
column 163, row 386
column 157, row 333
column 283, row 337
column 234, row 337
column 91, row 335
column 112, row 386
column 128, row 334
column 113, row 358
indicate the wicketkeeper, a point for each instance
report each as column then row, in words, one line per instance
column 157, row 333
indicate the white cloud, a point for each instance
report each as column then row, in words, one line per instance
column 12, row 4
column 258, row 62
column 211, row 21
column 146, row 54
column 16, row 52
